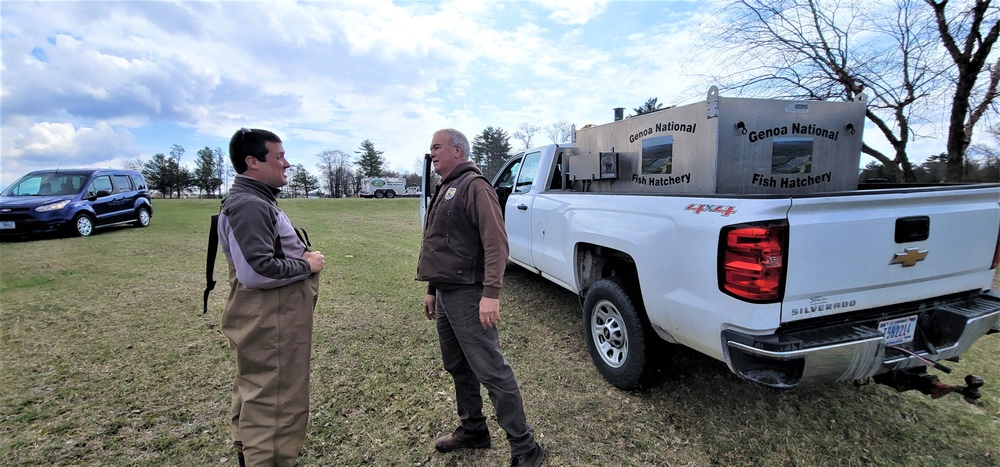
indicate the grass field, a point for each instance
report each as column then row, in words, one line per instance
column 106, row 359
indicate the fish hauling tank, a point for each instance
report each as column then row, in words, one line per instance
column 723, row 145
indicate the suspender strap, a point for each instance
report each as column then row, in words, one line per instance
column 303, row 237
column 213, row 249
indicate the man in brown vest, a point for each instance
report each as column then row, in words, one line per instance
column 463, row 257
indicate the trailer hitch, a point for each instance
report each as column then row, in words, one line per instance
column 918, row 379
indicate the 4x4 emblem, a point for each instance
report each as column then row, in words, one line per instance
column 909, row 257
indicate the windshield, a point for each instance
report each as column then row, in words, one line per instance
column 47, row 184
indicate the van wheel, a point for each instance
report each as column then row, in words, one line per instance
column 83, row 225
column 390, row 194
column 618, row 336
column 142, row 218
column 379, row 194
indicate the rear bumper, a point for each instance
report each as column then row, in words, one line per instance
column 830, row 351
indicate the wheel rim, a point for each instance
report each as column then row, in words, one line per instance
column 144, row 217
column 84, row 226
column 610, row 336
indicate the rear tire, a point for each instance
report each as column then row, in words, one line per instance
column 379, row 194
column 83, row 225
column 143, row 217
column 390, row 194
column 619, row 338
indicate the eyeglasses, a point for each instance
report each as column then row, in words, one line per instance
column 243, row 132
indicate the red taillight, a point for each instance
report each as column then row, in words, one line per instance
column 752, row 261
column 996, row 253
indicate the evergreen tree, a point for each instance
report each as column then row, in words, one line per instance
column 159, row 174
column 205, row 172
column 650, row 106
column 490, row 149
column 369, row 161
column 300, row 181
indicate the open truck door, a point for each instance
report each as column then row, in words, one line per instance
column 425, row 189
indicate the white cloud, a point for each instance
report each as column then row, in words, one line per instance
column 326, row 75
column 49, row 145
column 574, row 11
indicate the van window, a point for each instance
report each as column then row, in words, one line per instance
column 68, row 184
column 100, row 183
column 28, row 187
column 139, row 182
column 122, row 183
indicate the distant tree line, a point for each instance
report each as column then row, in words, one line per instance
column 980, row 164
column 336, row 175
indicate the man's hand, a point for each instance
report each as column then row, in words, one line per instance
column 489, row 312
column 429, row 306
column 315, row 259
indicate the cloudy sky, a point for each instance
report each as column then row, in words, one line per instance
column 91, row 84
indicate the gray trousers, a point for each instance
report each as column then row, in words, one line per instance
column 472, row 355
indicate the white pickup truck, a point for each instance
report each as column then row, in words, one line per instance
column 689, row 226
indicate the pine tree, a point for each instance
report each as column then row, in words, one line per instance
column 490, row 149
column 370, row 161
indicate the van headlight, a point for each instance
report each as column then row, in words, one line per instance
column 53, row 206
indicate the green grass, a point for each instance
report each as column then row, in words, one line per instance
column 106, row 359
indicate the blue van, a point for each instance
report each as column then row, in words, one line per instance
column 75, row 201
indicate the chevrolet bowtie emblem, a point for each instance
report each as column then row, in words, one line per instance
column 909, row 257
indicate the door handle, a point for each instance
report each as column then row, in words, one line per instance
column 523, row 207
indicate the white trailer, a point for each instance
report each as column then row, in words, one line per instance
column 382, row 187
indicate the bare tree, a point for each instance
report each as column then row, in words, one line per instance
column 988, row 154
column 226, row 171
column 334, row 167
column 133, row 164
column 970, row 62
column 828, row 49
column 560, row 132
column 525, row 132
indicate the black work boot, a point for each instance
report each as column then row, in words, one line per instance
column 533, row 458
column 462, row 439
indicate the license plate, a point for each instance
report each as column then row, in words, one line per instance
column 7, row 225
column 898, row 331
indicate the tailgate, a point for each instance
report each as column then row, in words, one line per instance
column 868, row 249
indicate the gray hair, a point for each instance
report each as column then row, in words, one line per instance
column 457, row 138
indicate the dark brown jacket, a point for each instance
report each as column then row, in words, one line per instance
column 464, row 237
